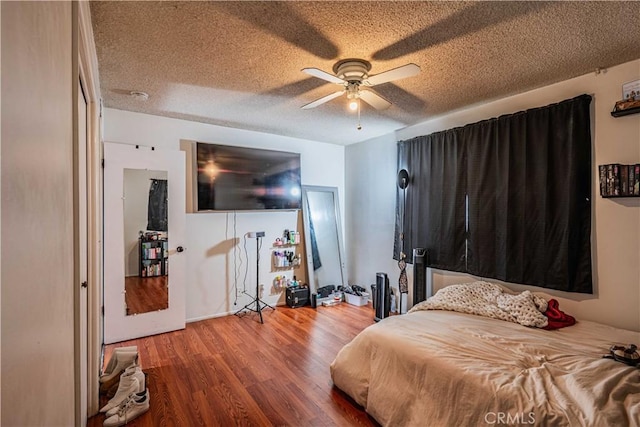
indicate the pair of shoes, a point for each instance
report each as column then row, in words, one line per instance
column 131, row 381
column 114, row 358
column 123, row 360
column 138, row 397
column 136, row 405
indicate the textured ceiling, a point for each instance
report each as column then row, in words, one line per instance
column 238, row 64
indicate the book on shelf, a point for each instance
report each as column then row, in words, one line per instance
column 610, row 180
column 624, row 180
column 602, row 169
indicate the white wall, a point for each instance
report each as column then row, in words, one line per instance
column 615, row 222
column 37, row 215
column 215, row 246
column 371, row 197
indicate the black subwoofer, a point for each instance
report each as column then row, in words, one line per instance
column 419, row 275
column 383, row 297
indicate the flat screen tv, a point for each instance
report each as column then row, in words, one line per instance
column 239, row 178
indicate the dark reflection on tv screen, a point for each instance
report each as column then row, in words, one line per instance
column 238, row 178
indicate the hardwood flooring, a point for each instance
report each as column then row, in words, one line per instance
column 235, row 371
column 145, row 294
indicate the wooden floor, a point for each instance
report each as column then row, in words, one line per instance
column 235, row 371
column 145, row 294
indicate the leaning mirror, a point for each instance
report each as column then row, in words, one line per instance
column 145, row 241
column 323, row 237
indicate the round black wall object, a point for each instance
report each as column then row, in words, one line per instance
column 403, row 179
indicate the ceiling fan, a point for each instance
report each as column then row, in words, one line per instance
column 353, row 75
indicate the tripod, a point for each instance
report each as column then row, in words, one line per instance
column 260, row 305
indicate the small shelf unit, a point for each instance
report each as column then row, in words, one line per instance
column 154, row 261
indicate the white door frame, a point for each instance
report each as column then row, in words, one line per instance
column 87, row 72
column 81, row 256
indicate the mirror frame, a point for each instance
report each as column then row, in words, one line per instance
column 307, row 232
column 136, row 180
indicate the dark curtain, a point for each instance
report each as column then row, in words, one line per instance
column 529, row 192
column 435, row 199
column 157, row 218
column 528, row 181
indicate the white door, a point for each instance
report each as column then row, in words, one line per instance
column 143, row 291
column 83, row 252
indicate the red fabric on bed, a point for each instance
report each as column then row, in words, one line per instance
column 557, row 318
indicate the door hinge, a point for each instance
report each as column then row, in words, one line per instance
column 102, row 310
column 102, row 163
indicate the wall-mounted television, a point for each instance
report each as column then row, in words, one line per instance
column 239, row 178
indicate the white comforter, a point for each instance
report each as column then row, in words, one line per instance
column 441, row 368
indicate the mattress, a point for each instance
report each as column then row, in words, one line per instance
column 442, row 368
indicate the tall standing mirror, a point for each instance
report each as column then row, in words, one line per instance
column 323, row 237
column 145, row 241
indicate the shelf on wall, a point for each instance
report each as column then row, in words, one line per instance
column 282, row 269
column 288, row 245
column 628, row 111
column 618, row 180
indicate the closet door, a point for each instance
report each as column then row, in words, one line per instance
column 144, row 229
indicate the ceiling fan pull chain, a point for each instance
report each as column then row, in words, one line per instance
column 359, row 125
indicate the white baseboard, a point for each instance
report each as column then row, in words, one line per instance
column 211, row 316
column 223, row 314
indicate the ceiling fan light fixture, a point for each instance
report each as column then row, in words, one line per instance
column 353, row 95
column 353, row 75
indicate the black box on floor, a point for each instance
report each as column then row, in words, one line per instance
column 325, row 291
column 297, row 297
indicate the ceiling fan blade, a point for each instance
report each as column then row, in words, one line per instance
column 375, row 100
column 315, row 72
column 394, row 74
column 322, row 100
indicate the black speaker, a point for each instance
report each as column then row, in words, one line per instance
column 419, row 275
column 383, row 297
column 297, row 297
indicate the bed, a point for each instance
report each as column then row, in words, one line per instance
column 446, row 368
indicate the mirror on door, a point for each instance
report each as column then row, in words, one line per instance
column 145, row 241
